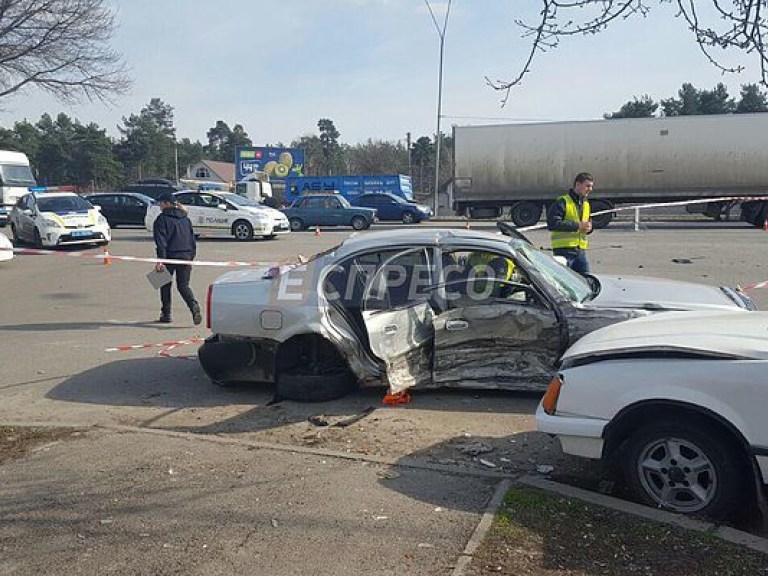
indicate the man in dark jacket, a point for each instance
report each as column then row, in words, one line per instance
column 175, row 240
column 569, row 222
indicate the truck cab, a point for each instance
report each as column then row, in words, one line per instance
column 15, row 180
column 257, row 187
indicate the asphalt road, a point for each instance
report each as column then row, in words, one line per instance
column 177, row 476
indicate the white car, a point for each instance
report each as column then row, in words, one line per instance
column 49, row 219
column 6, row 248
column 227, row 213
column 676, row 400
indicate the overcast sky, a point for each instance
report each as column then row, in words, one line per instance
column 371, row 66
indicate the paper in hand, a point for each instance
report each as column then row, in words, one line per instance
column 159, row 279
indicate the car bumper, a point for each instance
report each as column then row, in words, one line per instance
column 67, row 237
column 229, row 361
column 578, row 435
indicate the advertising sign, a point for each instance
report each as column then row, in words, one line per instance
column 278, row 163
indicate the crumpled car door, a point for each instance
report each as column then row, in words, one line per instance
column 505, row 338
column 398, row 318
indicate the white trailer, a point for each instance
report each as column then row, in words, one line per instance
column 524, row 167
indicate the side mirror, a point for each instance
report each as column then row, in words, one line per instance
column 97, row 207
column 222, row 207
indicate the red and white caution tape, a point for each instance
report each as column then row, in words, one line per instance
column 748, row 287
column 108, row 256
column 165, row 345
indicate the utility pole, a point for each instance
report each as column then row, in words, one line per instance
column 408, row 143
column 438, row 136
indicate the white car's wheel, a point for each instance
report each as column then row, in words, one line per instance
column 685, row 468
column 242, row 230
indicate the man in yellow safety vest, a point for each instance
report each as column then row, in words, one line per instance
column 568, row 220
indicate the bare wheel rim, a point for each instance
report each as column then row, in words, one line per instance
column 677, row 474
column 408, row 218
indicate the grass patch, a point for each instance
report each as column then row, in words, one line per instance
column 16, row 442
column 541, row 534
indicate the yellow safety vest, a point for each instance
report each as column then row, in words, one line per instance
column 572, row 239
column 479, row 260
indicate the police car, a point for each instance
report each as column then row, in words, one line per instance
column 48, row 219
column 226, row 213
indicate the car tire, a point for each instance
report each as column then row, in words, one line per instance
column 359, row 223
column 409, row 218
column 38, row 240
column 654, row 460
column 306, row 387
column 15, row 235
column 242, row 231
column 297, row 225
column 525, row 214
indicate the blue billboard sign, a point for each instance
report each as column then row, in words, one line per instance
column 278, row 163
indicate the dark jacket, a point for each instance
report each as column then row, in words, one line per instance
column 174, row 238
column 556, row 214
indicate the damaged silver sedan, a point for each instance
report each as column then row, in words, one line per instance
column 422, row 308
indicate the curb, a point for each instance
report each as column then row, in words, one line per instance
column 727, row 533
column 482, row 528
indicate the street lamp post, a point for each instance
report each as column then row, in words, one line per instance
column 438, row 136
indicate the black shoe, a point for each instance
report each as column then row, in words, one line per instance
column 197, row 316
column 164, row 319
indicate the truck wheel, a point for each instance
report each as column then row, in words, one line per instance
column 408, row 218
column 602, row 220
column 359, row 223
column 296, row 224
column 242, row 230
column 525, row 213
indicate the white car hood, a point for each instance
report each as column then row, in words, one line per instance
column 715, row 333
column 265, row 210
column 640, row 292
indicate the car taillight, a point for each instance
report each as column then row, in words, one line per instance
column 208, row 306
column 549, row 402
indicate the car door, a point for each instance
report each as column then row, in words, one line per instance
column 312, row 211
column 398, row 315
column 388, row 209
column 132, row 210
column 334, row 213
column 108, row 208
column 26, row 217
column 492, row 330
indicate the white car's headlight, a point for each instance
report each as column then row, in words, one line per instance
column 51, row 222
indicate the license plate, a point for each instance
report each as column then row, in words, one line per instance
column 81, row 233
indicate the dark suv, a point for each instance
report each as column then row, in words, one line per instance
column 152, row 187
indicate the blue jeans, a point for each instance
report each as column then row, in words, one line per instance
column 576, row 259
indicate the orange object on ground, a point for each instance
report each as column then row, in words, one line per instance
column 317, row 230
column 466, row 225
column 765, row 225
column 107, row 259
column 397, row 398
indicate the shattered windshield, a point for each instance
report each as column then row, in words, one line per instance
column 570, row 284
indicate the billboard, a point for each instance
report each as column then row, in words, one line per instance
column 276, row 162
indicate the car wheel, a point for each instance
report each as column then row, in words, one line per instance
column 684, row 468
column 359, row 223
column 408, row 218
column 305, row 386
column 38, row 240
column 242, row 230
column 296, row 224
column 15, row 234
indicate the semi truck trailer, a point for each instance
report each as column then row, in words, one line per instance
column 519, row 169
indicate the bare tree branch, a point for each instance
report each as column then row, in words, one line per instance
column 61, row 47
column 734, row 25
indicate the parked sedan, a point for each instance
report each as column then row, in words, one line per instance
column 122, row 208
column 391, row 207
column 57, row 219
column 677, row 400
column 327, row 210
column 227, row 214
column 422, row 307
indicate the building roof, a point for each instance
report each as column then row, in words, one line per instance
column 224, row 170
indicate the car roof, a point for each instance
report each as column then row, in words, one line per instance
column 54, row 194
column 436, row 236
